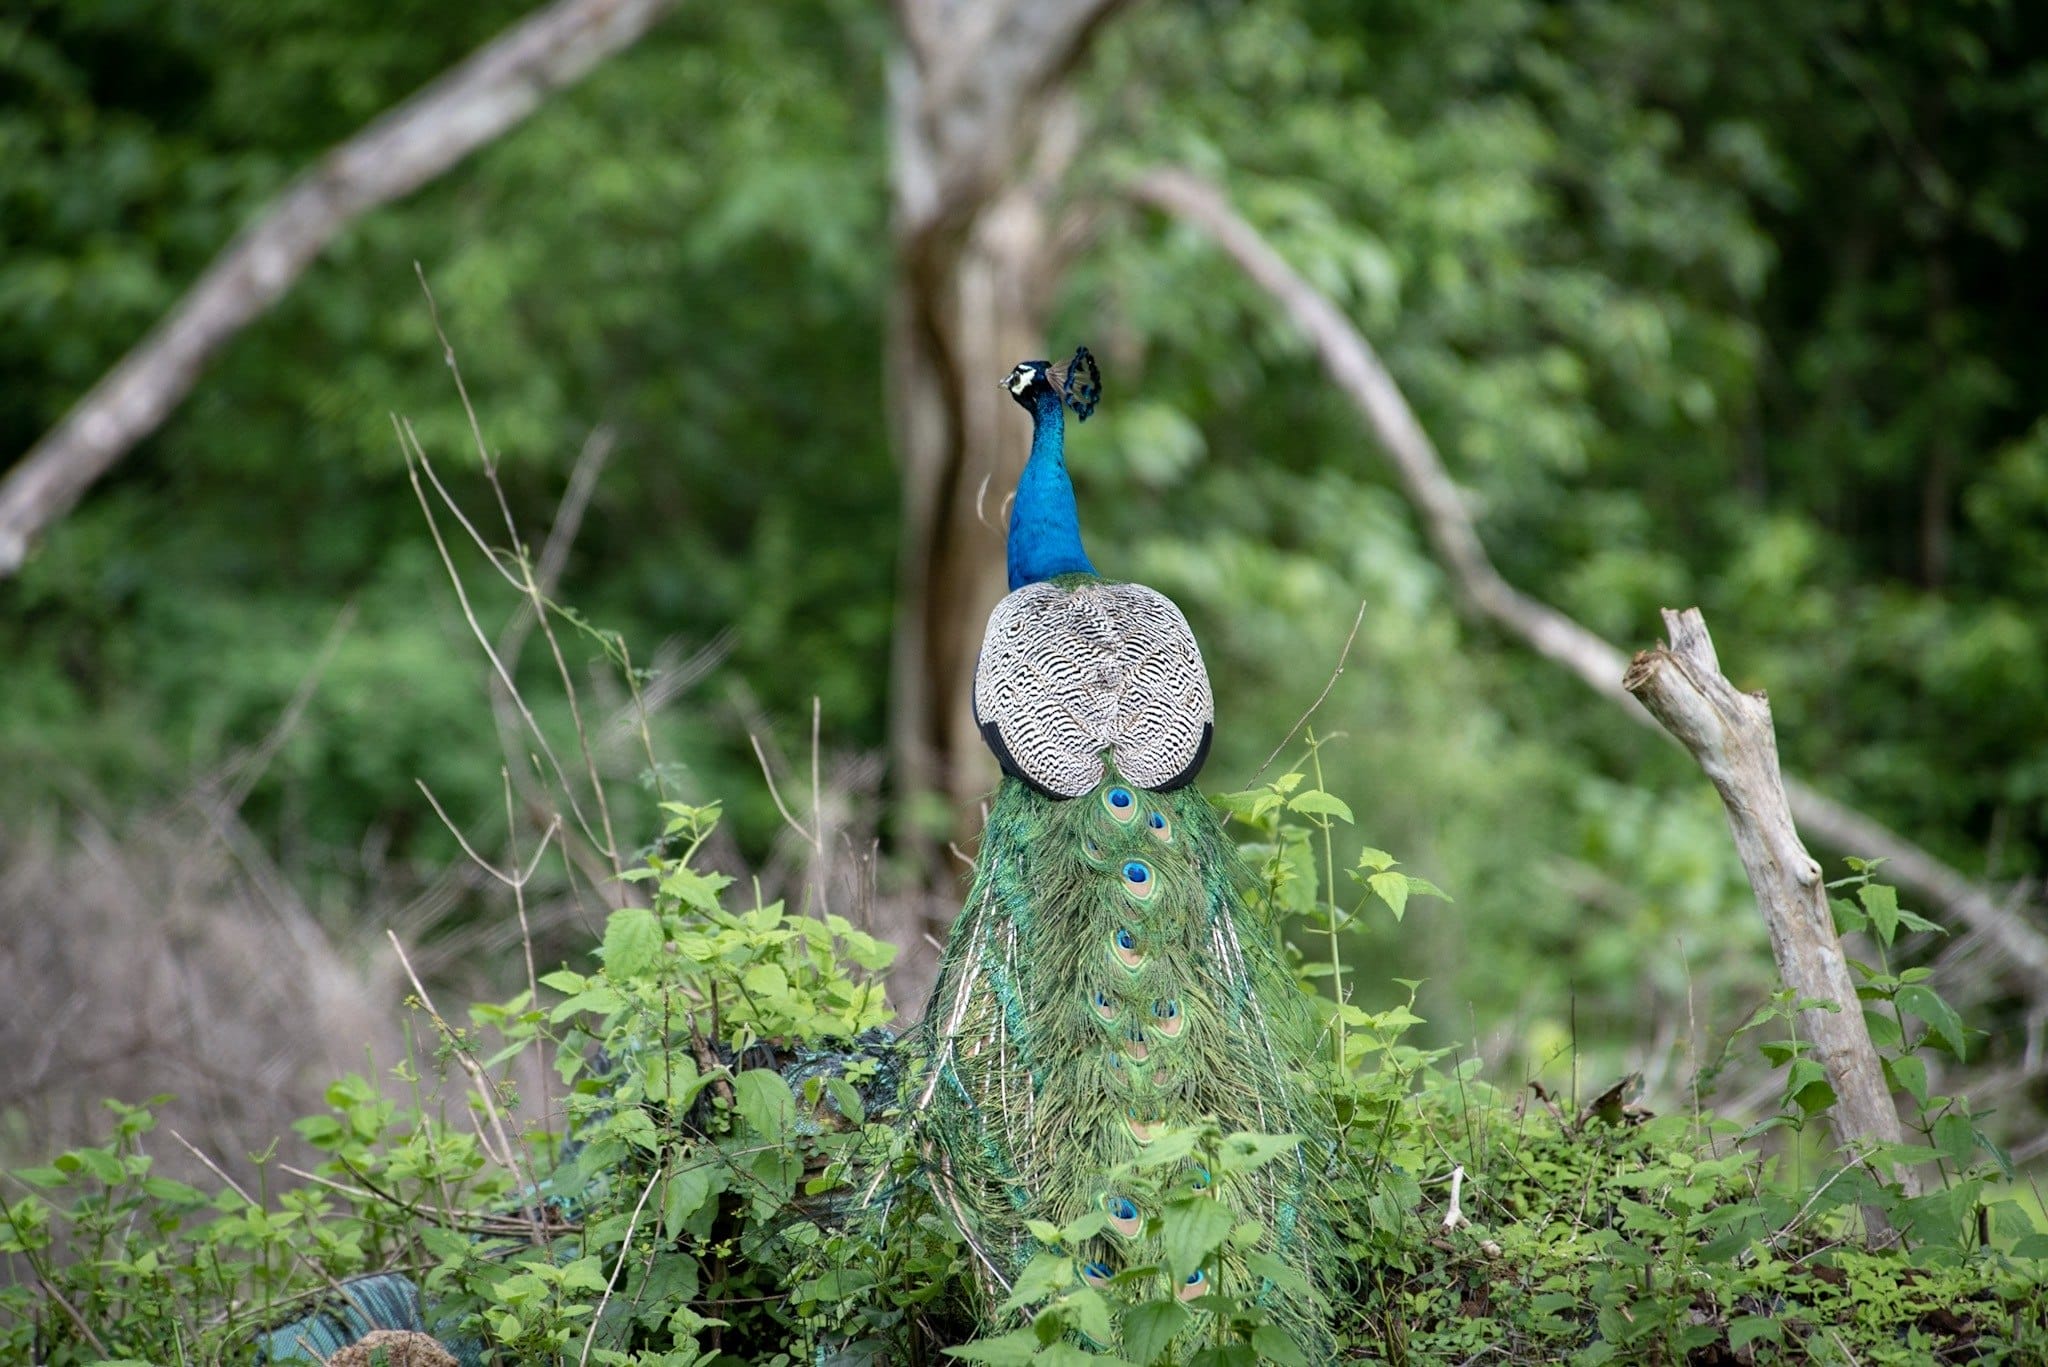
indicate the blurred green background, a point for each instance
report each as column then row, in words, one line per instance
column 1716, row 301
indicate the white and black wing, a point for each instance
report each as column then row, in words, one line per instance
column 1069, row 675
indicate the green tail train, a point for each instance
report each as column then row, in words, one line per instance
column 1107, row 978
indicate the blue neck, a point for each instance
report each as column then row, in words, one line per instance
column 1045, row 529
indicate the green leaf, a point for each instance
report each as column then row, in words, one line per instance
column 1882, row 903
column 1315, row 802
column 689, row 1187
column 1064, row 1354
column 766, row 981
column 1807, row 1086
column 1926, row 1004
column 1274, row 1345
column 698, row 891
column 1848, row 919
column 632, row 943
column 1149, row 1330
column 1047, row 1274
column 1190, row 1231
column 1013, row 1349
column 1088, row 1312
column 1377, row 860
column 764, row 1101
column 2031, row 1246
column 672, row 1077
column 1920, row 923
column 1392, row 889
column 1246, row 1151
column 1271, row 1268
column 1955, row 1138
column 1909, row 1075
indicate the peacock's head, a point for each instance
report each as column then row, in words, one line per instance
column 1078, row 383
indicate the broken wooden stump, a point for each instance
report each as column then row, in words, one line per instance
column 1730, row 734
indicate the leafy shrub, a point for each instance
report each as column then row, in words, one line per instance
column 736, row 1187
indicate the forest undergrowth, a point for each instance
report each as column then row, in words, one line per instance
column 718, row 1168
column 725, row 1177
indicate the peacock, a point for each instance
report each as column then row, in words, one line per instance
column 1111, row 974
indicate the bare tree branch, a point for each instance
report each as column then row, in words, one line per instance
column 1355, row 367
column 1729, row 733
column 470, row 105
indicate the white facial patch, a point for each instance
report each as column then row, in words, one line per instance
column 1021, row 378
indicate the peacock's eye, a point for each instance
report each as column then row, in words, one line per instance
column 1138, row 879
column 1124, row 939
column 1197, row 1284
column 1097, row 1273
column 1121, row 804
column 1201, row 1179
column 1159, row 821
column 1166, row 1009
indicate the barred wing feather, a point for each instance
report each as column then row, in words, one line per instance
column 1072, row 672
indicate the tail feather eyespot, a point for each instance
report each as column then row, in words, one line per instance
column 1197, row 1284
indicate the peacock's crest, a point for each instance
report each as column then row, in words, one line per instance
column 1079, row 383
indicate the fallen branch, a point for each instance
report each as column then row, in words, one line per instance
column 472, row 104
column 1356, row 369
column 1730, row 734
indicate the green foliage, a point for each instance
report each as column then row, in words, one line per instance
column 1728, row 303
column 717, row 1202
column 662, row 1234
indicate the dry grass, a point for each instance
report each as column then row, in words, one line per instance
column 166, row 957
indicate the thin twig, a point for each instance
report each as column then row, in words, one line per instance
column 508, row 1157
column 518, row 880
column 769, row 774
column 536, row 599
column 625, row 1247
column 416, row 463
column 237, row 1189
column 71, row 1311
column 249, row 767
column 1328, row 684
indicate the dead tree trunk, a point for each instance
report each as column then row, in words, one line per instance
column 981, row 135
column 1730, row 734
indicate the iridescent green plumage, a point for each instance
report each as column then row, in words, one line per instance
column 1111, row 981
column 1110, row 977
